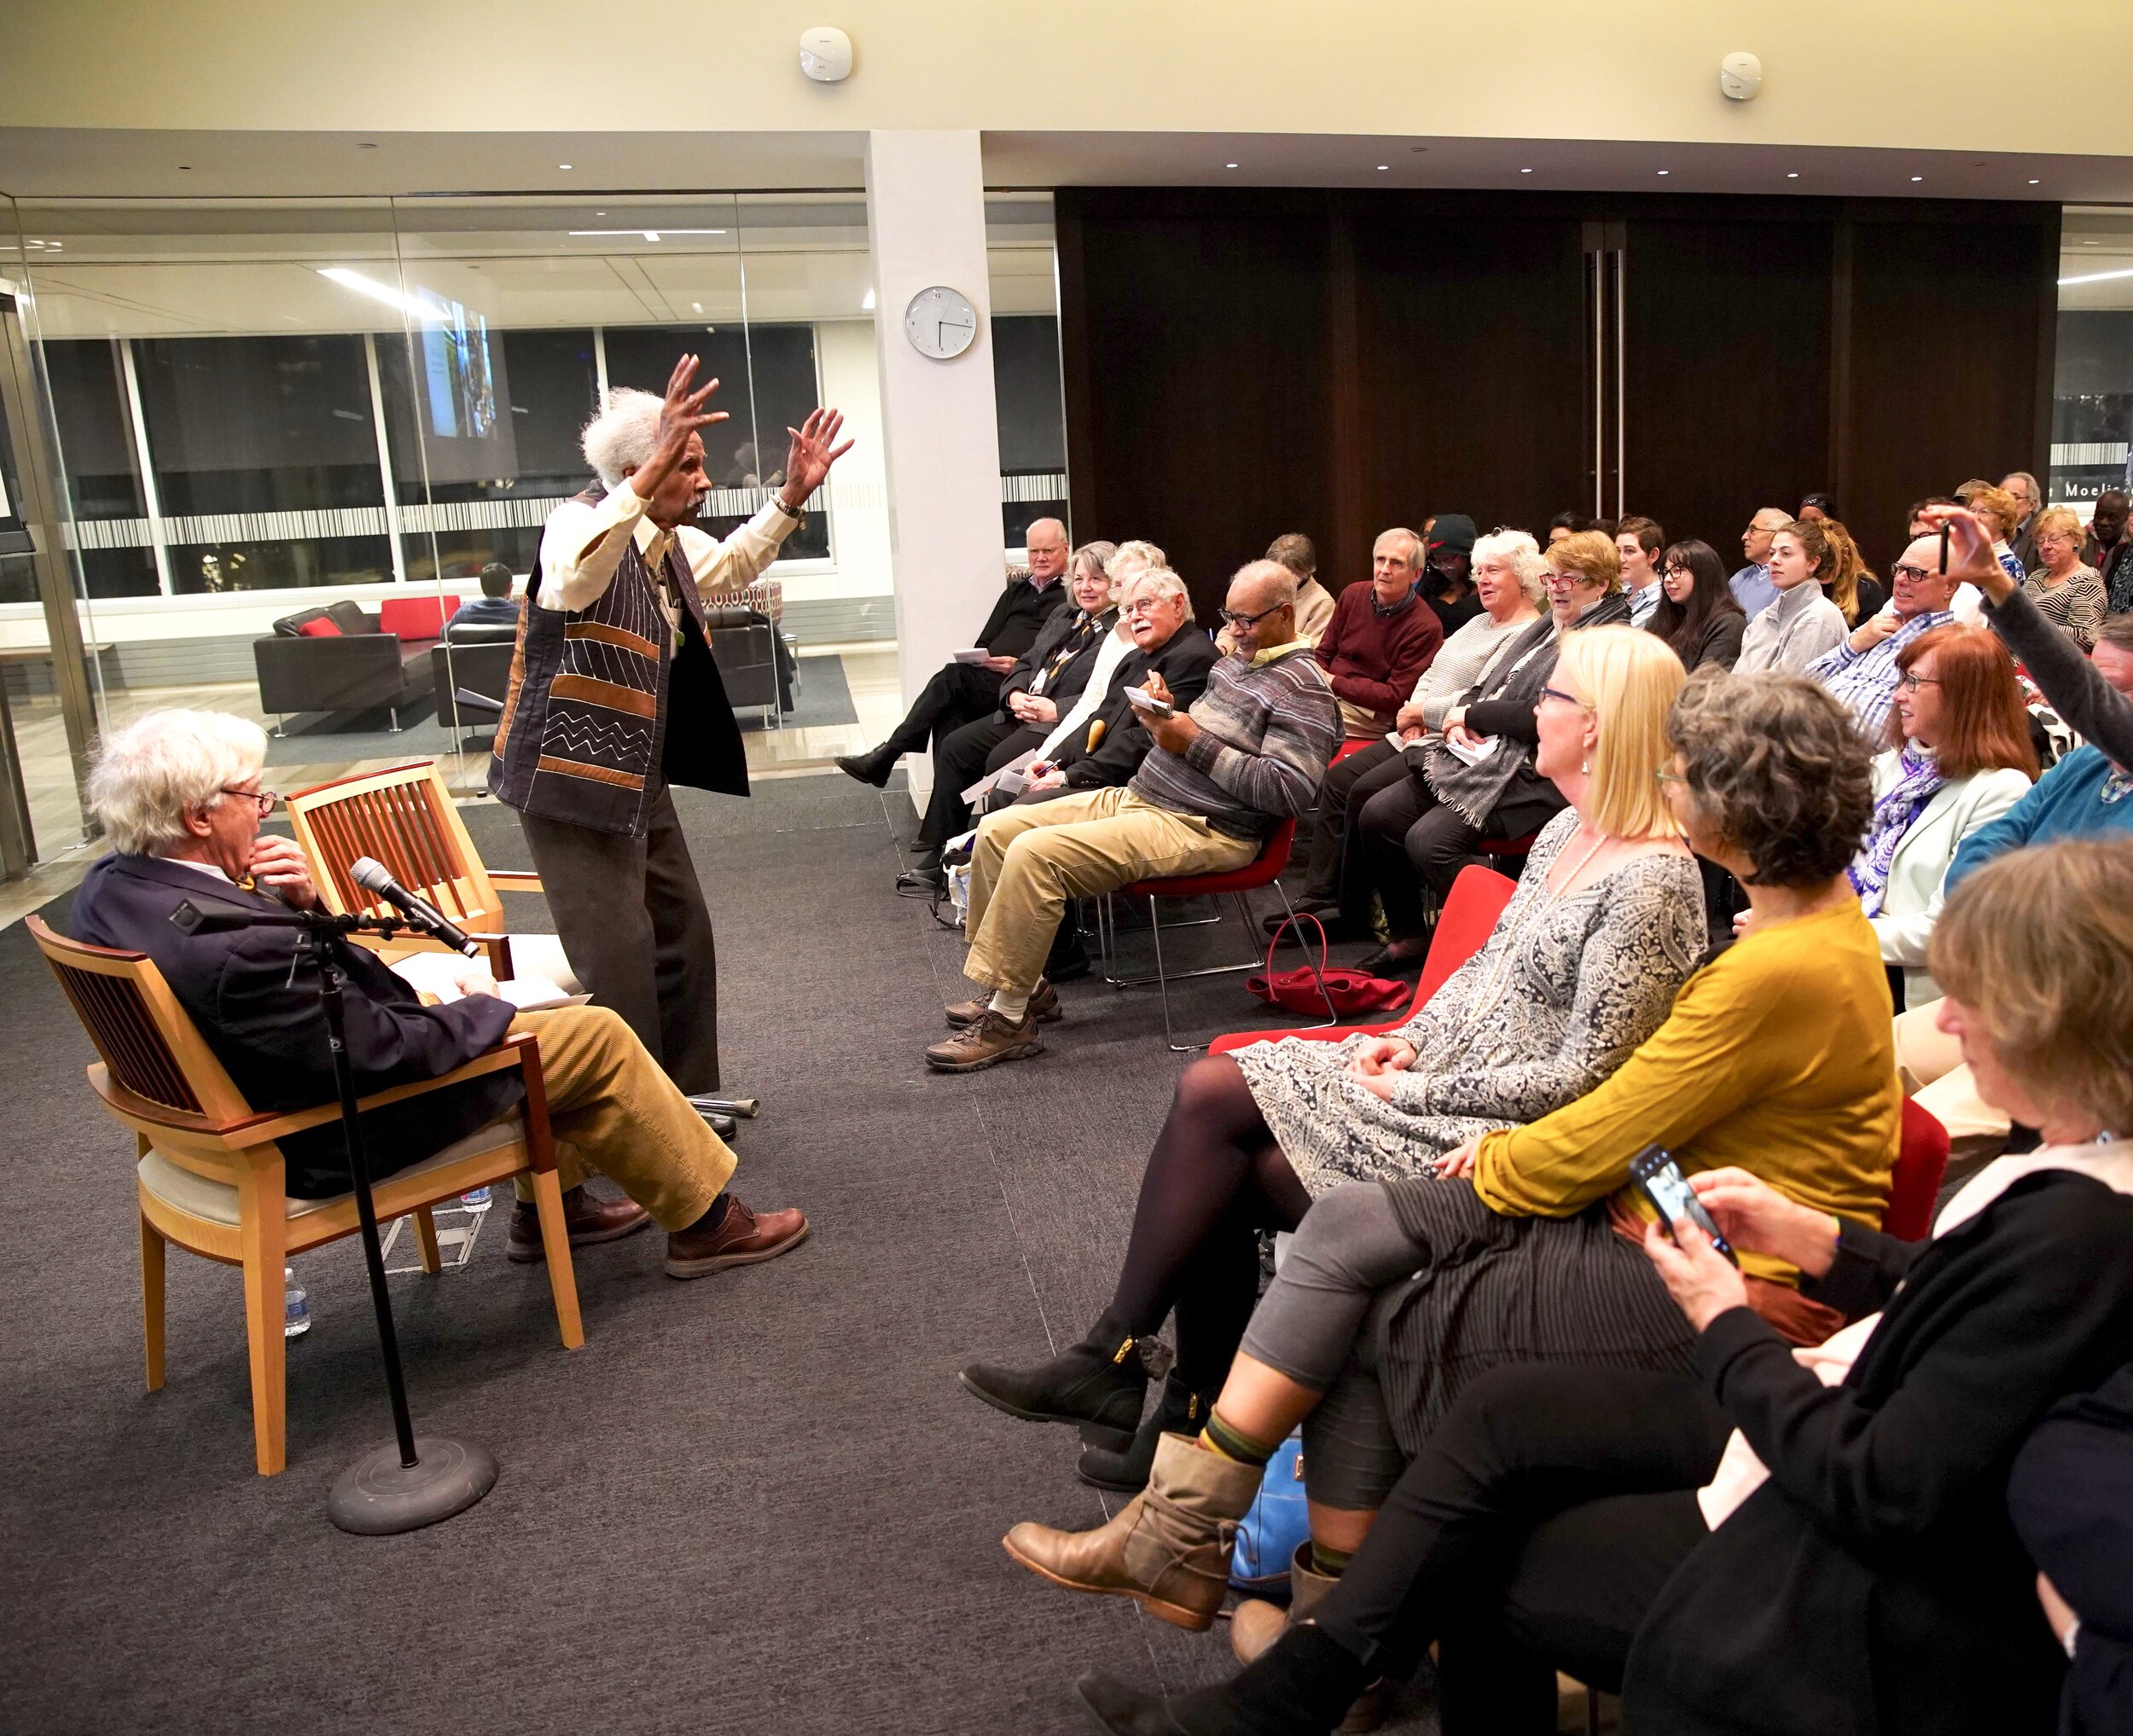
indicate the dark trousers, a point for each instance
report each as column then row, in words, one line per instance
column 961, row 758
column 1531, row 1535
column 1329, row 828
column 958, row 694
column 1408, row 843
column 631, row 915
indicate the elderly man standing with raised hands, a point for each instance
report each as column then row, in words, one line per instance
column 1219, row 779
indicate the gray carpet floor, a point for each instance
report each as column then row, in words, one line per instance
column 756, row 1503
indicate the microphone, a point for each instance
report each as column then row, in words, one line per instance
column 373, row 876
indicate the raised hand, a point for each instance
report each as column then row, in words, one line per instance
column 812, row 449
column 681, row 415
column 1970, row 556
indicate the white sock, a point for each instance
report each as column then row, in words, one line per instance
column 1012, row 1007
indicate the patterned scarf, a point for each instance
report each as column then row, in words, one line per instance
column 1892, row 816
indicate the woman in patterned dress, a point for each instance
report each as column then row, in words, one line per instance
column 1607, row 923
column 2067, row 592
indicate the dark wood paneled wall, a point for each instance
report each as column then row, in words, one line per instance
column 1241, row 363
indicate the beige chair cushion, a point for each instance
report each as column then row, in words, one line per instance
column 542, row 956
column 196, row 1196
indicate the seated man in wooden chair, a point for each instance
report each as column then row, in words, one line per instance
column 177, row 793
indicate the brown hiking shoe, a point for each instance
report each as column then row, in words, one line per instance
column 586, row 1216
column 742, row 1239
column 1044, row 1008
column 991, row 1040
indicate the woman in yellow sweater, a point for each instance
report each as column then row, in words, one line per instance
column 1526, row 1245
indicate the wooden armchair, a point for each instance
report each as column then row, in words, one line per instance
column 406, row 818
column 210, row 1175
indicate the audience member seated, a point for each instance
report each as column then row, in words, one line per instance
column 1607, row 923
column 1569, row 524
column 1220, row 778
column 1960, row 758
column 2106, row 546
column 1861, row 668
column 178, row 795
column 1822, row 507
column 1996, row 511
column 1856, row 593
column 1510, row 583
column 2021, row 488
column 1314, row 602
column 2067, row 593
column 495, row 607
column 1802, row 624
column 1781, row 1541
column 1477, row 780
column 2084, row 795
column 1448, row 570
column 1751, row 585
column 2071, row 1497
column 1641, row 544
column 1380, row 639
column 962, row 693
column 1522, row 1246
column 1050, row 675
column 1697, row 613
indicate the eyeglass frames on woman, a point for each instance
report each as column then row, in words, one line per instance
column 1567, row 699
column 1910, row 681
column 262, row 799
column 1668, row 777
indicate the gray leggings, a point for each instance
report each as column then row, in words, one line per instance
column 1311, row 1326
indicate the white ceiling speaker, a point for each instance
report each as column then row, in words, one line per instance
column 825, row 54
column 1740, row 76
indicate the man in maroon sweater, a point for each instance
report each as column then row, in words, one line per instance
column 1381, row 637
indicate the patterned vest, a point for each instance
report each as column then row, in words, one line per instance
column 602, row 712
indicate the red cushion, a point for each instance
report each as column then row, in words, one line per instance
column 415, row 618
column 320, row 628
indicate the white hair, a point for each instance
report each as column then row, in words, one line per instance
column 149, row 772
column 1160, row 580
column 620, row 437
column 1146, row 552
column 1517, row 550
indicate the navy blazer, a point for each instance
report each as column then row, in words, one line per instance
column 262, row 1019
column 1184, row 660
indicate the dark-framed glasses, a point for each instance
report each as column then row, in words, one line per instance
column 1910, row 681
column 263, row 800
column 1567, row 699
column 1903, row 569
column 1236, row 620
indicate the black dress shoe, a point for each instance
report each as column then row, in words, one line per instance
column 868, row 768
column 1396, row 958
column 1302, row 1686
column 1100, row 1386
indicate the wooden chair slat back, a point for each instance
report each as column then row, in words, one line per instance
column 142, row 1034
column 405, row 819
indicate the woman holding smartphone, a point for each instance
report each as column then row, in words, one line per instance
column 1782, row 1542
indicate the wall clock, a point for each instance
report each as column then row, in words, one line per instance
column 940, row 322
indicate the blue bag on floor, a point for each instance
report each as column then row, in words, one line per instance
column 1279, row 1520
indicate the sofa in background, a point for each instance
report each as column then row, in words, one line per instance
column 343, row 659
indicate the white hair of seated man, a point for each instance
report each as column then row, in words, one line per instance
column 620, row 436
column 151, row 773
column 1158, row 581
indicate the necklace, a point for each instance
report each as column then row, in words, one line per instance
column 1599, row 843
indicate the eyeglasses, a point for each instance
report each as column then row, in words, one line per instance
column 1236, row 620
column 1670, row 777
column 263, row 800
column 1567, row 699
column 1903, row 569
column 1910, row 681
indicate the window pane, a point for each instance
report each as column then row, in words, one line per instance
column 2092, row 409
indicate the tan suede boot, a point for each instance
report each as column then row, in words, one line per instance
column 1256, row 1624
column 1169, row 1548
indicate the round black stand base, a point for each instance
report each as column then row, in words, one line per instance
column 377, row 1496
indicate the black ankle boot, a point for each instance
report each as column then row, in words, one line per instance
column 1180, row 1411
column 1302, row 1687
column 1099, row 1383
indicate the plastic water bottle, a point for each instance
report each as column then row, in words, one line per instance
column 296, row 1306
column 476, row 1200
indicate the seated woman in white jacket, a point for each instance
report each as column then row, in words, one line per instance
column 1960, row 757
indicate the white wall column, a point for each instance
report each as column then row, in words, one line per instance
column 940, row 436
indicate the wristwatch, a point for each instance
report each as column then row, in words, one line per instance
column 797, row 515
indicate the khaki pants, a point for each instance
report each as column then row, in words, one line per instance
column 613, row 1110
column 1930, row 1063
column 1029, row 861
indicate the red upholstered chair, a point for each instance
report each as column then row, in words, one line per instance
column 1352, row 745
column 1470, row 914
column 1914, row 1184
column 1264, row 870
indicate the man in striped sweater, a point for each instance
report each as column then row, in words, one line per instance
column 1221, row 776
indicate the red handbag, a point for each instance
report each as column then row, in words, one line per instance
column 1351, row 991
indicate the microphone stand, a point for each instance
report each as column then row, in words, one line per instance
column 416, row 1481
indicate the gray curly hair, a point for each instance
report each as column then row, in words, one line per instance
column 620, row 436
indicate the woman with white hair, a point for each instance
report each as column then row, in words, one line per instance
column 1510, row 578
column 614, row 695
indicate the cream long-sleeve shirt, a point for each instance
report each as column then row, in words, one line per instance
column 581, row 547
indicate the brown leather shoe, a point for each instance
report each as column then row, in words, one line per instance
column 587, row 1218
column 989, row 1042
column 1044, row 1008
column 742, row 1239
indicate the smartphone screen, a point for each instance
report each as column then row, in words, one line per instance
column 1668, row 1189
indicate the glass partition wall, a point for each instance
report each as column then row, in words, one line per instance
column 2092, row 390
column 267, row 420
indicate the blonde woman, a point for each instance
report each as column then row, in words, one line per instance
column 1857, row 594
column 1608, row 921
column 2067, row 592
column 2000, row 513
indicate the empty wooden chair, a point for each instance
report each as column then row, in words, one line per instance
column 210, row 1177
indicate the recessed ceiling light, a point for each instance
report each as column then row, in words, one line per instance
column 2032, row 183
column 2096, row 277
column 2088, row 244
column 1229, row 166
column 1666, row 171
column 697, row 305
column 1918, row 178
column 562, row 165
column 1382, row 167
column 1792, row 174
column 1526, row 171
